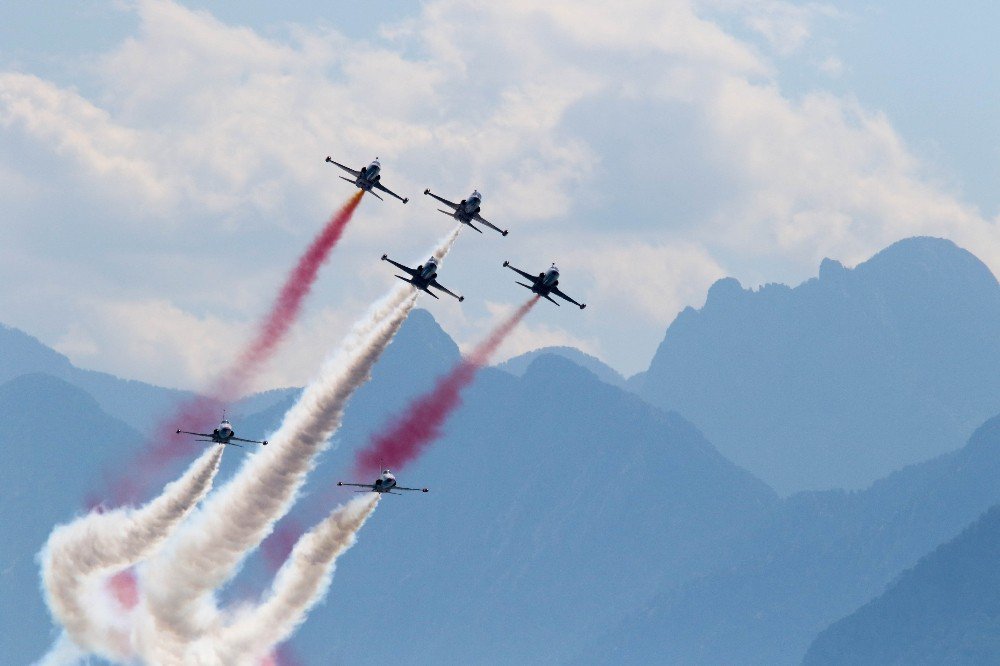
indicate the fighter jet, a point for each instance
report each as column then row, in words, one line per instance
column 546, row 283
column 383, row 484
column 467, row 210
column 423, row 276
column 224, row 434
column 368, row 178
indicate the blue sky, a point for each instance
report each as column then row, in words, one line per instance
column 162, row 162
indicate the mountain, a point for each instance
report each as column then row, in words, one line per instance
column 518, row 365
column 136, row 403
column 945, row 610
column 557, row 502
column 815, row 558
column 56, row 443
column 844, row 378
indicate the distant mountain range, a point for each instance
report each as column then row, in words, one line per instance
column 816, row 557
column 945, row 610
column 845, row 378
column 571, row 520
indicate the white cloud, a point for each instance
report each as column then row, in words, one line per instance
column 642, row 144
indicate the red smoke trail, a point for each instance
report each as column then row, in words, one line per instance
column 286, row 308
column 423, row 419
column 202, row 411
column 125, row 588
column 410, row 433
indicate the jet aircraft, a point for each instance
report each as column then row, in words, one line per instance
column 544, row 284
column 386, row 483
column 224, row 434
column 423, row 276
column 368, row 178
column 467, row 210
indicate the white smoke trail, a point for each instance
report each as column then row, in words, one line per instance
column 78, row 556
column 179, row 582
column 299, row 585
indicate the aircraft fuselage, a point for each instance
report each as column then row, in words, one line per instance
column 385, row 483
column 468, row 208
column 223, row 433
column 426, row 274
column 369, row 176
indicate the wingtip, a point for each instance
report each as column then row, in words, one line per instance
column 461, row 298
column 427, row 191
column 178, row 431
column 385, row 257
column 264, row 442
column 583, row 306
column 340, row 483
column 503, row 233
column 506, row 264
column 406, row 199
column 329, row 159
column 424, row 490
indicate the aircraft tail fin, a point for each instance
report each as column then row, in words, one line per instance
column 431, row 293
column 474, row 227
column 404, row 280
column 449, row 213
column 526, row 286
column 349, row 180
column 551, row 299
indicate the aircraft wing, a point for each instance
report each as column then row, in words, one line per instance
column 438, row 285
column 444, row 201
column 388, row 191
column 249, row 441
column 555, row 290
column 408, row 271
column 197, row 434
column 479, row 218
column 422, row 490
column 357, row 485
column 345, row 168
column 533, row 278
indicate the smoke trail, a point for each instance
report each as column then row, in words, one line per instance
column 80, row 554
column 287, row 306
column 272, row 330
column 299, row 585
column 423, row 419
column 279, row 543
column 180, row 580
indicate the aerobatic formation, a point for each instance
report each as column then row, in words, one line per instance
column 139, row 584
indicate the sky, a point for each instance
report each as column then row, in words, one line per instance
column 162, row 163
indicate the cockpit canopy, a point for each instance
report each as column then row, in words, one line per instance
column 476, row 195
column 386, row 472
column 553, row 269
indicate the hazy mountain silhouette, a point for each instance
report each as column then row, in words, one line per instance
column 518, row 365
column 945, row 610
column 845, row 378
column 56, row 442
column 137, row 403
column 557, row 501
column 817, row 557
